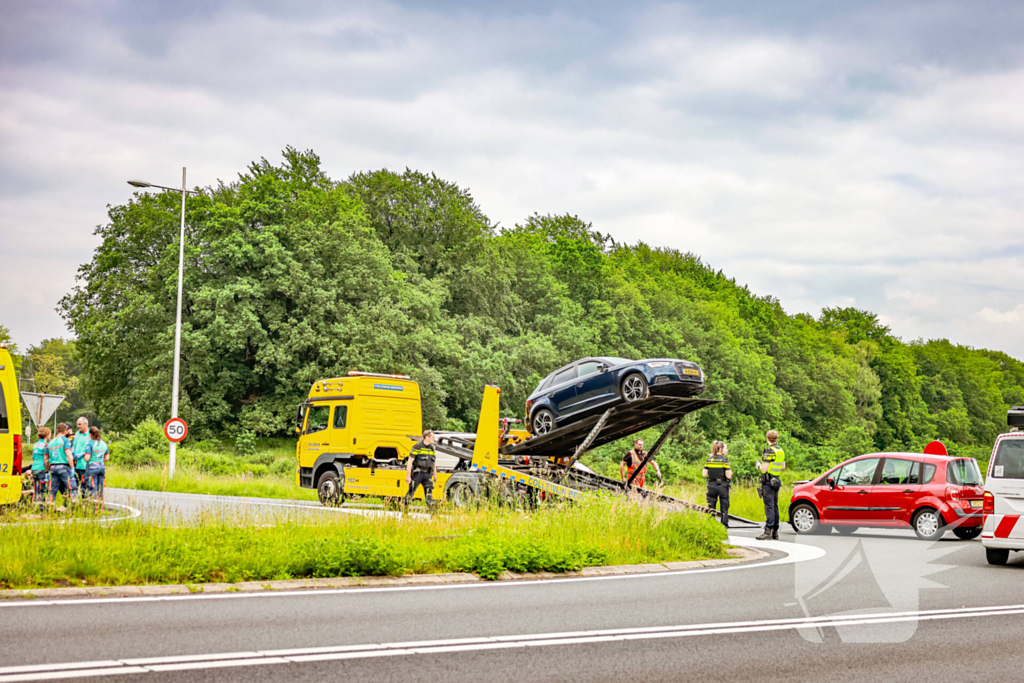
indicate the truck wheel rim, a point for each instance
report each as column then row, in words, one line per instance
column 803, row 519
column 328, row 492
column 542, row 423
column 927, row 524
column 633, row 388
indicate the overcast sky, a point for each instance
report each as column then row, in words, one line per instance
column 829, row 154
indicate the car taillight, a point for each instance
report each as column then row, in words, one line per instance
column 16, row 465
column 988, row 504
column 953, row 493
column 528, row 404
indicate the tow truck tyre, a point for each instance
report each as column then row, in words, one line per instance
column 967, row 534
column 997, row 555
column 329, row 490
column 634, row 388
column 543, row 422
column 804, row 520
column 462, row 492
column 928, row 524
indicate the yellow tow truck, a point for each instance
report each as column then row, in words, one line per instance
column 356, row 433
column 10, row 431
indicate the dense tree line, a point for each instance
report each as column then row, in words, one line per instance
column 291, row 276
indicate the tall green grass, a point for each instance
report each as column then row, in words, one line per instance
column 191, row 480
column 597, row 531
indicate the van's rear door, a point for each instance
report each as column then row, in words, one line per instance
column 1006, row 483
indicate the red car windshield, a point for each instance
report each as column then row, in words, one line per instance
column 963, row 473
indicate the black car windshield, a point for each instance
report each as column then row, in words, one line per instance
column 963, row 472
column 612, row 361
column 1009, row 460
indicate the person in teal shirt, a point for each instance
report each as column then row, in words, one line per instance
column 96, row 464
column 62, row 475
column 79, row 445
column 40, row 460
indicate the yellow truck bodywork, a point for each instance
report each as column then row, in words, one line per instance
column 355, row 419
column 10, row 430
column 384, row 425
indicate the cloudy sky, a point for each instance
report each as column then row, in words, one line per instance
column 856, row 153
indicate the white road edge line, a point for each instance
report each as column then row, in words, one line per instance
column 794, row 553
column 220, row 660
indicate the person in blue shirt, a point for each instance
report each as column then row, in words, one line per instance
column 62, row 475
column 79, row 445
column 40, row 463
column 96, row 464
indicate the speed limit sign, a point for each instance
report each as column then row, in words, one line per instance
column 175, row 430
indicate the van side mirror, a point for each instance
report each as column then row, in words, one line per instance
column 831, row 484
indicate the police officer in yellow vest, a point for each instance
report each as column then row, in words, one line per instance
column 719, row 475
column 771, row 466
column 422, row 469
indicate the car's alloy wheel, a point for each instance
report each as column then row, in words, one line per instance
column 543, row 422
column 803, row 520
column 634, row 388
column 928, row 525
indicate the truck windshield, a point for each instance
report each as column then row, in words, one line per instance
column 1009, row 460
column 964, row 472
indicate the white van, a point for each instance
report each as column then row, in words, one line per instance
column 1003, row 505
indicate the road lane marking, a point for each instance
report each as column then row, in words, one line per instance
column 795, row 553
column 373, row 650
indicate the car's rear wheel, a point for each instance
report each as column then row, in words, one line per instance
column 804, row 520
column 329, row 490
column 997, row 555
column 634, row 388
column 927, row 524
column 968, row 533
column 543, row 422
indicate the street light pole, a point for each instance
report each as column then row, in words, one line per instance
column 177, row 324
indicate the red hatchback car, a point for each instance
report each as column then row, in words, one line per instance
column 925, row 492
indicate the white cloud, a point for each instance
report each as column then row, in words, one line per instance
column 818, row 165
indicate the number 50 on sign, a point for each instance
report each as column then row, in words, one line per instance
column 175, row 429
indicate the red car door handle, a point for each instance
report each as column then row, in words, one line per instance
column 908, row 490
column 863, row 493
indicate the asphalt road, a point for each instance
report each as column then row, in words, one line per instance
column 871, row 606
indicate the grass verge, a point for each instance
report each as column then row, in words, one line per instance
column 190, row 480
column 598, row 531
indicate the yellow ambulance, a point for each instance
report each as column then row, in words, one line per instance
column 10, row 431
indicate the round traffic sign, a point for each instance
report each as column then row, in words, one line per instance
column 175, row 429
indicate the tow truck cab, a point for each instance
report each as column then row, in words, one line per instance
column 358, row 420
column 10, row 431
column 1003, row 528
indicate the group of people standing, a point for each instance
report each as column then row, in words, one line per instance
column 718, row 473
column 72, row 463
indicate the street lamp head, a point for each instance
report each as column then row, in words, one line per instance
column 139, row 183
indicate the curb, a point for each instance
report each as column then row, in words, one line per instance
column 739, row 556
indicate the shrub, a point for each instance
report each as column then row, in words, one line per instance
column 283, row 466
column 144, row 446
column 245, row 443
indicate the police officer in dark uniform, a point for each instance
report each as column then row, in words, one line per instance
column 771, row 465
column 422, row 469
column 719, row 475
